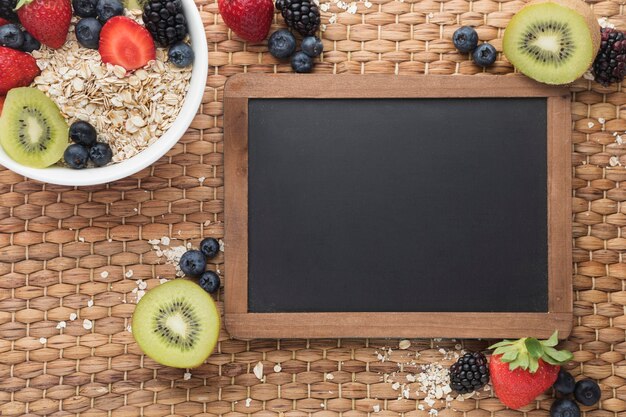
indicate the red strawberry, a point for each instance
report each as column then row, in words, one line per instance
column 523, row 369
column 18, row 69
column 250, row 19
column 2, row 98
column 47, row 20
column 3, row 22
column 126, row 43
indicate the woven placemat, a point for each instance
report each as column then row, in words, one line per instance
column 89, row 252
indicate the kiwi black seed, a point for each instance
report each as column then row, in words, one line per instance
column 185, row 311
column 551, row 28
column 177, row 324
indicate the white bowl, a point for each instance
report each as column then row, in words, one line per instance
column 93, row 176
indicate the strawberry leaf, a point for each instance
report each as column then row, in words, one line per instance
column 552, row 341
column 561, row 356
column 534, row 348
column 504, row 349
column 510, row 356
column 521, row 362
column 533, row 365
column 502, row 343
column 548, row 359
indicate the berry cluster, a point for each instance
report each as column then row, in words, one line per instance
column 465, row 40
column 300, row 15
column 610, row 64
column 469, row 373
column 86, row 147
column 586, row 391
column 193, row 264
column 282, row 44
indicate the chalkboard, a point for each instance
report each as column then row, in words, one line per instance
column 398, row 205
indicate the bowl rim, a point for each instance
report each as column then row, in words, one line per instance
column 192, row 101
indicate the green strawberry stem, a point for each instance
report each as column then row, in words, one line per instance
column 526, row 352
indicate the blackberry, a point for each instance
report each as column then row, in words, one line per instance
column 610, row 63
column 6, row 10
column 469, row 373
column 301, row 15
column 165, row 20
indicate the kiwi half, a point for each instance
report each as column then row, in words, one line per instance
column 552, row 41
column 32, row 130
column 177, row 324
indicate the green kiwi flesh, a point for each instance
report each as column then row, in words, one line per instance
column 551, row 42
column 177, row 324
column 32, row 130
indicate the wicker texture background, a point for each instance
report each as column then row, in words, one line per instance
column 56, row 241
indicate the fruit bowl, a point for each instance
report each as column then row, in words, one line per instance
column 92, row 176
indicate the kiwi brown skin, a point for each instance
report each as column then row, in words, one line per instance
column 585, row 11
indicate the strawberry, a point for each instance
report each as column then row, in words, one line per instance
column 47, row 20
column 2, row 98
column 18, row 69
column 126, row 43
column 3, row 22
column 250, row 19
column 522, row 369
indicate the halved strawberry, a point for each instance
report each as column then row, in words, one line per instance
column 126, row 43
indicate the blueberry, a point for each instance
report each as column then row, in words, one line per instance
column 30, row 44
column 209, row 247
column 106, row 9
column 465, row 39
column 484, row 55
column 76, row 156
column 88, row 32
column 11, row 36
column 564, row 407
column 83, row 133
column 85, row 8
column 210, row 281
column 100, row 154
column 181, row 55
column 587, row 392
column 281, row 44
column 301, row 62
column 312, row 46
column 564, row 382
column 193, row 263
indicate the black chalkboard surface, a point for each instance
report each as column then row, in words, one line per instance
column 396, row 206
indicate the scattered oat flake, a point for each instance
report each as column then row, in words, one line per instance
column 590, row 125
column 277, row 368
column 604, row 23
column 458, row 346
column 420, row 407
column 614, row 161
column 87, row 324
column 165, row 241
column 248, row 401
column 602, row 120
column 89, row 303
column 140, row 294
column 201, row 180
column 43, row 340
column 376, row 408
column 187, row 376
column 330, row 377
column 221, row 242
column 258, row 370
column 129, row 273
column 163, row 280
column 81, row 239
column 129, row 328
column 404, row 344
column 411, row 378
column 104, row 274
column 73, row 316
column 395, row 386
column 61, row 325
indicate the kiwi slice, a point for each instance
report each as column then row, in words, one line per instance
column 134, row 4
column 32, row 130
column 552, row 41
column 177, row 324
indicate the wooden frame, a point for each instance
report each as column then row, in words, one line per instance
column 242, row 324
